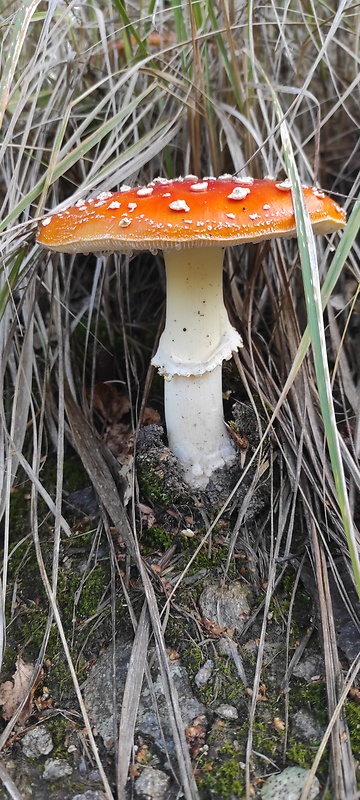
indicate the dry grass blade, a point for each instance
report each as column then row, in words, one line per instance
column 9, row 785
column 96, row 462
column 102, row 479
column 129, row 708
column 92, row 95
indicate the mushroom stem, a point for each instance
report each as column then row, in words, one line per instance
column 197, row 337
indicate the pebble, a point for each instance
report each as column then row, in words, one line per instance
column 305, row 726
column 309, row 667
column 37, row 742
column 224, row 711
column 56, row 768
column 89, row 795
column 227, row 606
column 152, row 784
column 288, row 785
column 98, row 698
column 204, row 674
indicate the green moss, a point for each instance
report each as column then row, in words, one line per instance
column 59, row 729
column 152, row 486
column 89, row 593
column 157, row 539
column 224, row 776
column 312, row 696
column 301, row 754
column 352, row 710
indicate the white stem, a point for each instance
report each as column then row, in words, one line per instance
column 197, row 337
column 195, row 425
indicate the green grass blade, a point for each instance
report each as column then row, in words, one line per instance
column 314, row 307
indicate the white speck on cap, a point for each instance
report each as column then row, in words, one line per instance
column 179, row 205
column 145, row 191
column 114, row 204
column 284, row 186
column 199, row 187
column 103, row 196
column 239, row 193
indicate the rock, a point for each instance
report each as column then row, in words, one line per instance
column 204, row 673
column 305, row 726
column 37, row 742
column 309, row 667
column 152, row 784
column 89, row 795
column 98, row 698
column 224, row 711
column 227, row 606
column 56, row 768
column 288, row 785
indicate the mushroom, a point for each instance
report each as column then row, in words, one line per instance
column 192, row 220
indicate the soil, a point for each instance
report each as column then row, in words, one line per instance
column 213, row 634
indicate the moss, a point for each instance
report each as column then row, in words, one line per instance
column 156, row 539
column 301, row 754
column 59, row 727
column 152, row 486
column 224, row 776
column 352, row 710
column 90, row 593
column 311, row 696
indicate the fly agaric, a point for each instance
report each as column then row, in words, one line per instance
column 192, row 220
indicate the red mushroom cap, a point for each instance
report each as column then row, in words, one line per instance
column 186, row 212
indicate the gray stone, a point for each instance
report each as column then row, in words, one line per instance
column 305, row 726
column 204, row 673
column 310, row 667
column 227, row 606
column 224, row 711
column 89, row 795
column 98, row 698
column 288, row 785
column 37, row 742
column 56, row 768
column 152, row 784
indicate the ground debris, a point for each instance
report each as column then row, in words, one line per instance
column 288, row 785
column 152, row 784
column 37, row 742
column 12, row 693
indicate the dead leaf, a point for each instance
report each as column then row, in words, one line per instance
column 279, row 724
column 212, row 628
column 111, row 404
column 195, row 735
column 148, row 518
column 242, row 442
column 150, row 417
column 119, row 439
column 13, row 692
